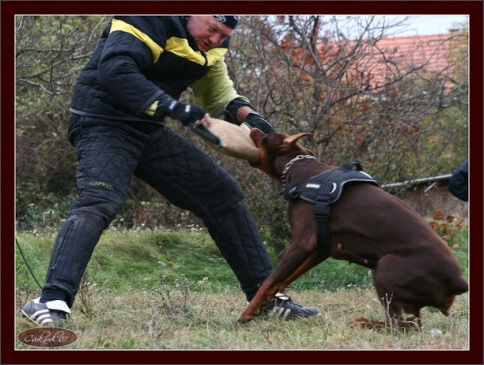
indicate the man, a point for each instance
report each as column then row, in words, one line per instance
column 121, row 99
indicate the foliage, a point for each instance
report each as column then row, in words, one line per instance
column 447, row 227
column 45, row 213
column 453, row 229
column 50, row 52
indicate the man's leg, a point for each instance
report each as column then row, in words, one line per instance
column 107, row 159
column 191, row 180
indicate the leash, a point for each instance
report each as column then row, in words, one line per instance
column 26, row 263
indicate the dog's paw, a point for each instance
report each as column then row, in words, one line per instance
column 362, row 322
column 244, row 319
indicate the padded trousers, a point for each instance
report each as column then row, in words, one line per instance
column 110, row 154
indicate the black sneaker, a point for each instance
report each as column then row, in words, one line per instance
column 49, row 314
column 282, row 306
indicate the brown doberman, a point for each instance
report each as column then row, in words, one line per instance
column 412, row 266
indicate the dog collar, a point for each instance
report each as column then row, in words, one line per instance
column 289, row 164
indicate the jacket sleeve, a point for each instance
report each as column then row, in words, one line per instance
column 458, row 184
column 128, row 51
column 215, row 90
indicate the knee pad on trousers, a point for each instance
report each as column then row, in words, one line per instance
column 100, row 202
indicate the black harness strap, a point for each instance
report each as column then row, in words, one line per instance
column 322, row 210
column 323, row 190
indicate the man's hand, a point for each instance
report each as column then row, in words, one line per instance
column 254, row 120
column 186, row 113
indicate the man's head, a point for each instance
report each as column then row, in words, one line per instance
column 210, row 31
column 229, row 20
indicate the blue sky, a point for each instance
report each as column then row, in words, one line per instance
column 432, row 24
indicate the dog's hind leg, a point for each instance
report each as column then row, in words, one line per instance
column 399, row 290
column 393, row 316
column 362, row 322
column 386, row 277
column 413, row 318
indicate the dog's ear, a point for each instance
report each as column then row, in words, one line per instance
column 290, row 143
column 256, row 135
column 293, row 139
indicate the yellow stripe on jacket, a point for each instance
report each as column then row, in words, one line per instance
column 178, row 46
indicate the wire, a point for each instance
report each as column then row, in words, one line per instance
column 26, row 263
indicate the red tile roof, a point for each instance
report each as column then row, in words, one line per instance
column 372, row 64
column 395, row 56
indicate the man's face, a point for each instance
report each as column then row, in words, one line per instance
column 207, row 31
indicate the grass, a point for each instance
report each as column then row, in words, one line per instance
column 173, row 290
column 147, row 320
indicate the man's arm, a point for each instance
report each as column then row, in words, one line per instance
column 215, row 91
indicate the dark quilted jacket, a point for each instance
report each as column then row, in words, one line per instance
column 140, row 59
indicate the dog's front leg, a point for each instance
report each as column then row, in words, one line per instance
column 304, row 244
column 314, row 259
column 298, row 259
column 265, row 293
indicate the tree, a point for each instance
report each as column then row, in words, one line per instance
column 332, row 77
column 50, row 52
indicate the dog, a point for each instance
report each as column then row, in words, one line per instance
column 412, row 266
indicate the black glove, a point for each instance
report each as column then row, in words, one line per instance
column 254, row 120
column 186, row 113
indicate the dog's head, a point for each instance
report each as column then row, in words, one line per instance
column 276, row 149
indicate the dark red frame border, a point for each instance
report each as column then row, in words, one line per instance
column 10, row 8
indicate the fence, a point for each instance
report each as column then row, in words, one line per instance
column 429, row 195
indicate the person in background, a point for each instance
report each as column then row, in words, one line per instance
column 459, row 182
column 132, row 82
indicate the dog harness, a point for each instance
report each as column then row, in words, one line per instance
column 323, row 190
